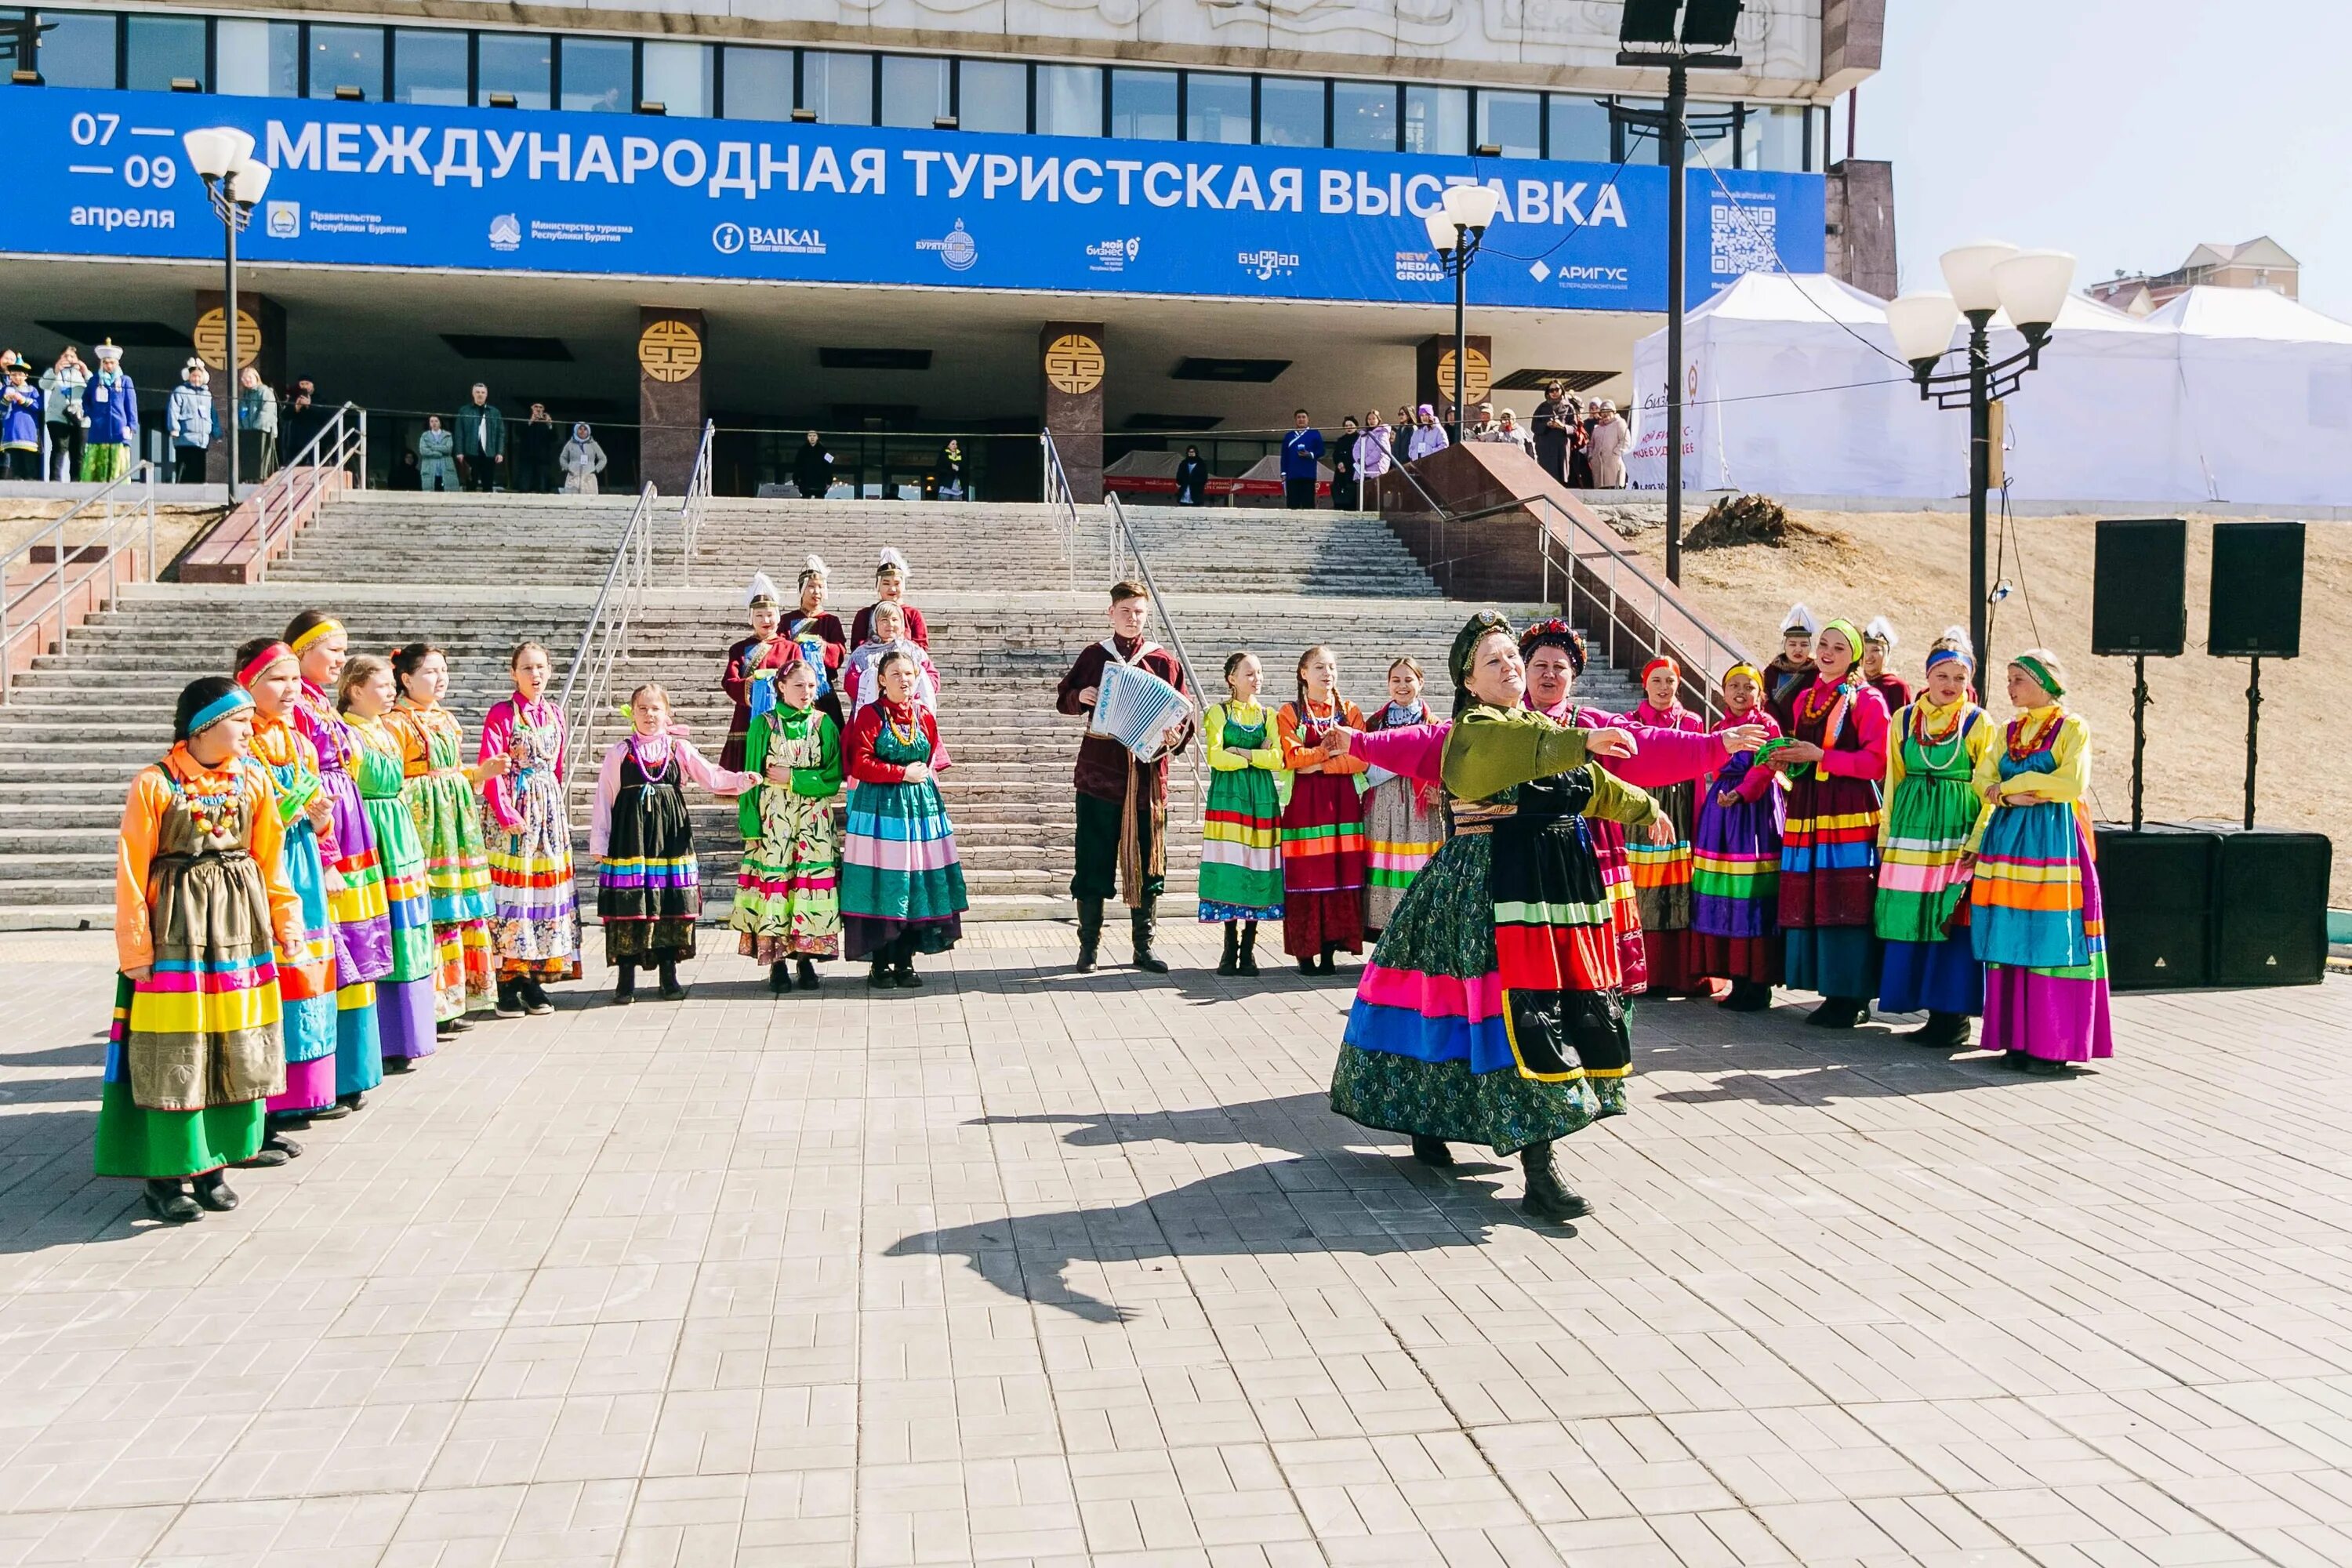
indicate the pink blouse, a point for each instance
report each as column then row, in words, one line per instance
column 719, row 781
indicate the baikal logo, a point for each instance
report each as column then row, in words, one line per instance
column 1418, row 267
column 1267, row 265
column 505, row 232
column 958, row 251
column 285, row 220
column 726, row 238
column 1112, row 255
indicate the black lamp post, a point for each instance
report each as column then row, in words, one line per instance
column 2031, row 286
column 1455, row 229
column 233, row 179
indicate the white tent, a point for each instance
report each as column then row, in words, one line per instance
column 1792, row 386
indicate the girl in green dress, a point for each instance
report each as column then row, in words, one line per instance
column 1241, row 829
column 788, row 893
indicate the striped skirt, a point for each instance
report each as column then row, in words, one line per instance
column 534, row 898
column 306, row 980
column 457, row 880
column 1241, row 847
column 900, row 873
column 1402, row 833
column 1323, row 866
column 2041, row 932
column 406, row 997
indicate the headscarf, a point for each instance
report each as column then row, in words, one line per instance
column 1554, row 633
column 262, row 663
column 1843, row 628
column 205, row 702
column 580, row 430
column 327, row 626
column 1748, row 669
column 1465, row 643
column 1661, row 662
column 2043, row 665
column 1953, row 645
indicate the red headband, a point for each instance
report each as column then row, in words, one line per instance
column 1661, row 662
column 258, row 666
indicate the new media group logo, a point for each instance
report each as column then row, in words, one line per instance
column 1418, row 267
column 957, row 251
column 285, row 220
column 505, row 232
column 1112, row 255
column 1267, row 265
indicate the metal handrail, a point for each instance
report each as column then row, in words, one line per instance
column 341, row 438
column 60, row 583
column 1122, row 535
column 696, row 501
column 605, row 641
column 1058, row 493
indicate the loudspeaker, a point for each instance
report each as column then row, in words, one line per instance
column 2156, row 887
column 2140, row 587
column 2271, row 907
column 2257, row 609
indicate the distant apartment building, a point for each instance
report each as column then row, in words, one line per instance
column 2260, row 263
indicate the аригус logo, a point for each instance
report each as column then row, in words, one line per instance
column 958, row 250
column 726, row 238
column 505, row 232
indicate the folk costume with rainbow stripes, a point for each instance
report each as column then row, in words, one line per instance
column 1241, row 828
column 306, row 971
column 1934, row 815
column 198, row 893
column 901, row 880
column 1829, row 843
column 788, row 891
column 360, row 908
column 1323, row 851
column 1404, row 823
column 1662, row 873
column 456, row 865
column 2039, row 924
column 405, row 998
column 527, row 840
column 1735, row 865
column 648, row 881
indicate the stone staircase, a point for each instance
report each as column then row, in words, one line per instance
column 992, row 580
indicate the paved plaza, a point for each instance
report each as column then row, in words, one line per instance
column 1034, row 1267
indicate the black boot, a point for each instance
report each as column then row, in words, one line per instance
column 1747, row 996
column 671, row 991
column 1329, row 964
column 780, row 977
column 1838, row 1012
column 1306, row 967
column 625, row 988
column 1941, row 1032
column 1548, row 1197
column 1246, row 964
column 878, row 977
column 902, row 972
column 534, row 997
column 350, row 1101
column 1432, row 1151
column 1138, row 926
column 1090, row 918
column 213, row 1193
column 509, row 999
column 1229, row 962
column 807, row 975
column 169, row 1201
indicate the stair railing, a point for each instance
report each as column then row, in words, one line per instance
column 278, row 508
column 695, row 503
column 1124, row 543
column 1058, row 494
column 122, row 511
column 604, row 645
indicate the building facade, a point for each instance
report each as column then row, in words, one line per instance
column 2260, row 263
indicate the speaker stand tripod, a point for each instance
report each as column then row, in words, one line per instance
column 2139, row 734
column 2253, row 726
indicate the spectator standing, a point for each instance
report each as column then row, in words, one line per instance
column 1302, row 462
column 481, row 442
column 61, row 390
column 1191, row 478
column 1605, row 447
column 257, row 427
column 949, row 480
column 20, row 421
column 437, row 466
column 813, row 467
column 535, row 453
column 584, row 459
column 1374, row 457
column 112, row 403
column 1482, row 427
column 1508, row 432
column 1346, row 487
column 1428, row 435
column 1553, row 433
column 1579, row 456
column 301, row 422
column 188, row 416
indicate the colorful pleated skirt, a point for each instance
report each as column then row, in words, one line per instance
column 2041, row 933
column 900, row 875
column 405, row 996
column 1402, row 832
column 1323, row 866
column 1736, row 882
column 1241, row 847
column 458, row 879
column 305, row 981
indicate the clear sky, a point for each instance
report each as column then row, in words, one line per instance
column 2124, row 130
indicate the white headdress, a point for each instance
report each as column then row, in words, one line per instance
column 1880, row 631
column 1799, row 618
column 813, row 566
column 761, row 589
column 891, row 560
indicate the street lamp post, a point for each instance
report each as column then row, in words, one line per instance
column 1455, row 229
column 233, row 179
column 2031, row 286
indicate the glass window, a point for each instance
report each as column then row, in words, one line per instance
column 1772, row 137
column 598, row 75
column 1364, row 116
column 158, row 48
column 428, row 67
column 1216, row 108
column 1512, row 121
column 77, row 50
column 1639, row 144
column 677, row 76
column 840, row 87
column 346, row 56
column 992, row 95
column 1069, row 100
column 264, row 60
column 1143, row 105
column 1580, row 129
column 1289, row 112
column 758, row 83
column 521, row 64
column 1437, row 119
column 914, row 90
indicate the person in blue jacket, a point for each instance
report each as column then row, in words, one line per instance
column 1302, row 459
column 188, row 414
column 20, row 423
column 111, row 403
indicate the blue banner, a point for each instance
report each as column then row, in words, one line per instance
column 103, row 174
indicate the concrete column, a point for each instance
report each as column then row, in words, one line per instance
column 260, row 342
column 1072, row 363
column 670, row 395
column 1433, row 374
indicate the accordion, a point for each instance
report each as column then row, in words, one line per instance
column 1136, row 707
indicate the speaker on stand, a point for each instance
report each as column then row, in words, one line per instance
column 2256, row 611
column 2139, row 607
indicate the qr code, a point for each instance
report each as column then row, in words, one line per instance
column 1743, row 240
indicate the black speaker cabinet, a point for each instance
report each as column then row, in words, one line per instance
column 2156, row 889
column 2140, row 587
column 2257, row 605
column 2271, row 907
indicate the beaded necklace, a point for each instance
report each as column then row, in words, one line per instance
column 659, row 771
column 1951, row 739
column 2024, row 741
column 905, row 735
column 208, row 806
